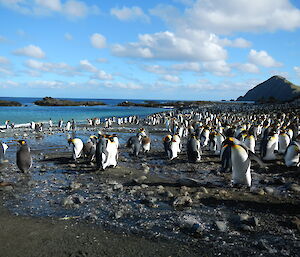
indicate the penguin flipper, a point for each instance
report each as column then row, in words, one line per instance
column 254, row 157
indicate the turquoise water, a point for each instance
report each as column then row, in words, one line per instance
column 30, row 112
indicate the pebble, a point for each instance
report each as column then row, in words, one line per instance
column 294, row 187
column 182, row 201
column 160, row 190
column 75, row 185
column 203, row 190
column 221, row 225
column 118, row 187
column 269, row 190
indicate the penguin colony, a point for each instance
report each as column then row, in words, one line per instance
column 237, row 134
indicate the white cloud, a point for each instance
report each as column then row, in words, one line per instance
column 128, row 85
column 54, row 5
column 102, row 60
column 190, row 45
column 31, row 51
column 238, row 42
column 87, row 66
column 247, row 67
column 102, row 75
column 4, row 60
column 3, row 39
column 68, row 36
column 58, row 68
column 98, row 40
column 72, row 8
column 219, row 68
column 129, row 14
column 8, row 84
column 262, row 58
column 47, row 84
column 297, row 70
column 187, row 66
column 229, row 16
column 171, row 78
column 157, row 69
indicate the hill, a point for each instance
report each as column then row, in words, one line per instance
column 275, row 88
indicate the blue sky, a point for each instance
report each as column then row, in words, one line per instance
column 176, row 49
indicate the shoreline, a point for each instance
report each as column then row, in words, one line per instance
column 137, row 199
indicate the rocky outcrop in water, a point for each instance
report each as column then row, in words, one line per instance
column 49, row 101
column 9, row 103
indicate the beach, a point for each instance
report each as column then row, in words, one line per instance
column 147, row 205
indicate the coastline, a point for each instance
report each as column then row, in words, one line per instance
column 118, row 207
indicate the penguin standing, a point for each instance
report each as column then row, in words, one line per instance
column 292, row 155
column 24, row 159
column 77, row 147
column 106, row 152
column 193, row 149
column 135, row 143
column 283, row 141
column 89, row 148
column 237, row 158
column 250, row 141
column 268, row 146
column 167, row 145
column 3, row 148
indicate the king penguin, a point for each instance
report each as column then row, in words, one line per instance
column 193, row 149
column 77, row 147
column 24, row 159
column 3, row 148
column 237, row 157
column 292, row 155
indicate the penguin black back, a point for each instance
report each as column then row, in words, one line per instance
column 24, row 160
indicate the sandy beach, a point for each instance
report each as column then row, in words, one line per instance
column 147, row 205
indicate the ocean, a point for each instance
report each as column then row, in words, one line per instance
column 31, row 112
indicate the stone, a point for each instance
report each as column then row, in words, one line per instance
column 160, row 190
column 245, row 227
column 119, row 214
column 75, row 185
column 221, row 226
column 182, row 201
column 269, row 190
column 203, row 190
column 294, row 187
column 118, row 187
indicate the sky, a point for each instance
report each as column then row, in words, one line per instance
column 158, row 49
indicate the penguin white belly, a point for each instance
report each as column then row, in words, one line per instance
column 276, row 136
column 291, row 157
column 219, row 142
column 146, row 147
column 111, row 159
column 283, row 141
column 240, row 166
column 250, row 142
column 5, row 146
column 270, row 155
column 77, row 148
column 174, row 147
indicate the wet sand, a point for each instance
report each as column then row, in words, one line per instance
column 146, row 206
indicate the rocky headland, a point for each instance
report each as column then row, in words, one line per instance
column 9, row 103
column 49, row 101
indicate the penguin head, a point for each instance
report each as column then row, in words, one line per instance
column 229, row 141
column 70, row 140
column 22, row 142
